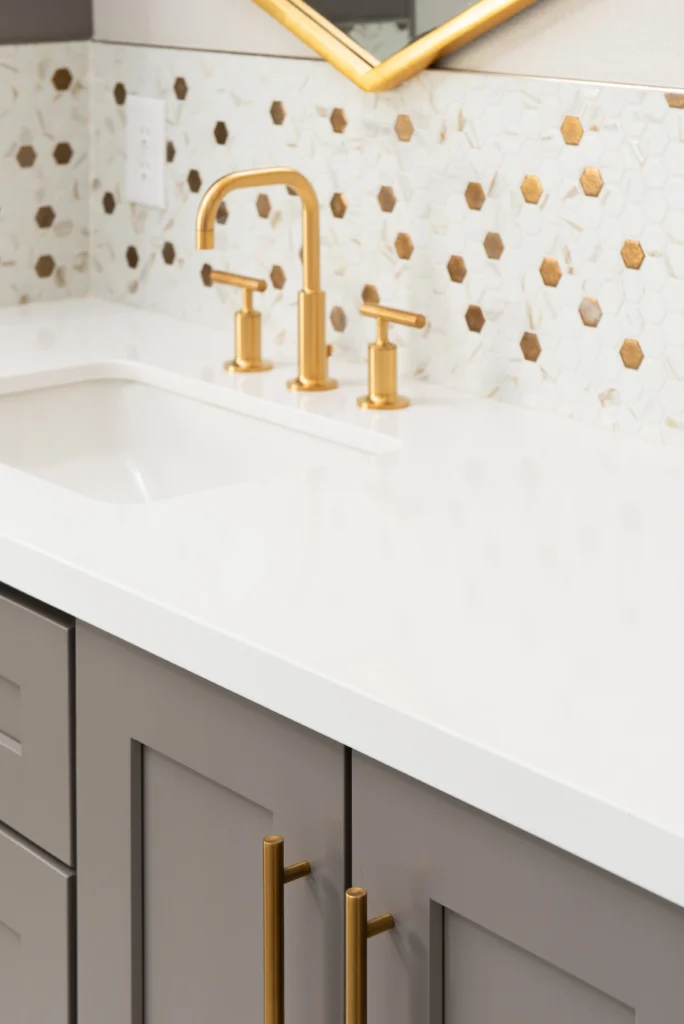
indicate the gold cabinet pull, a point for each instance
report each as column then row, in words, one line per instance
column 382, row 357
column 247, row 324
column 358, row 929
column 276, row 877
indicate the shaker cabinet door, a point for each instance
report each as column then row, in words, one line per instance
column 179, row 782
column 36, row 935
column 492, row 925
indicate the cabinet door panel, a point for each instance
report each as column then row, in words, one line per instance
column 36, row 691
column 36, row 939
column 492, row 924
column 178, row 783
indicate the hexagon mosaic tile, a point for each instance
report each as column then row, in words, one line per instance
column 538, row 225
column 43, row 172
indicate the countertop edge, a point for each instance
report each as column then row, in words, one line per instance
column 612, row 839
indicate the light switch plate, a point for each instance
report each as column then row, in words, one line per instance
column 146, row 151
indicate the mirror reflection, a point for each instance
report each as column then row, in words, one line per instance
column 383, row 27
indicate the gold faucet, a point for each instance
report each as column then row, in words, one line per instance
column 313, row 351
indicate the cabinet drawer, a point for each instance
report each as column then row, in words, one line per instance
column 36, row 940
column 495, row 925
column 36, row 693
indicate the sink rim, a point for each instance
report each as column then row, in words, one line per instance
column 229, row 398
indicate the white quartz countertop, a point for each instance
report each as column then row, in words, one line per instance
column 496, row 608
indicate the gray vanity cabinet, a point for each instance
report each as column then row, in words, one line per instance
column 37, row 896
column 493, row 925
column 179, row 782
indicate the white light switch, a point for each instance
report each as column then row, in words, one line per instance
column 145, row 151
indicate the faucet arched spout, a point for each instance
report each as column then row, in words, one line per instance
column 208, row 210
column 313, row 351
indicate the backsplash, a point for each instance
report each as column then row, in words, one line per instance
column 539, row 225
column 43, row 171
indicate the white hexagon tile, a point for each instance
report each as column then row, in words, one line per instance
column 539, row 225
column 43, row 172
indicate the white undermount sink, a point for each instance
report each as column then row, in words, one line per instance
column 125, row 434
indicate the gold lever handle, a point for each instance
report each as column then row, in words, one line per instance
column 276, row 877
column 247, row 324
column 248, row 284
column 394, row 316
column 382, row 357
column 358, row 929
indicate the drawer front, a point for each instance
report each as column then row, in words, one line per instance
column 36, row 693
column 37, row 897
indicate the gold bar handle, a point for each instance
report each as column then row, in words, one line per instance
column 276, row 877
column 358, row 929
column 247, row 324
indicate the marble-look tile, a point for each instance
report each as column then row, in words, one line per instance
column 479, row 168
column 44, row 128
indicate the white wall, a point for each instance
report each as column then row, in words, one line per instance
column 628, row 41
column 236, row 25
column 634, row 42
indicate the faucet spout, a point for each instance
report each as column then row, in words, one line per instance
column 313, row 351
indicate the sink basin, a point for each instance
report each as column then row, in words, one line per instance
column 125, row 440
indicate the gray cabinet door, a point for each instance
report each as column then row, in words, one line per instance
column 36, row 694
column 494, row 926
column 178, row 783
column 36, row 935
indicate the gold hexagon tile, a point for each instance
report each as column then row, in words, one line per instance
column 457, row 269
column 338, row 319
column 45, row 266
column 278, row 277
column 550, row 271
column 387, row 199
column 493, row 245
column 26, row 156
column 631, row 354
column 591, row 181
column 475, row 319
column 278, row 112
column 221, row 132
column 338, row 205
column 62, row 79
column 675, row 100
column 632, row 254
column 370, row 294
column 338, row 120
column 531, row 349
column 590, row 312
column 532, row 189
column 475, row 195
column 572, row 130
column 404, row 246
column 45, row 217
column 263, row 205
column 403, row 126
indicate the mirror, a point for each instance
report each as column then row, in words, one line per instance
column 381, row 43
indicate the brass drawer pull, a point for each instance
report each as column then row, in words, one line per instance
column 276, row 877
column 358, row 929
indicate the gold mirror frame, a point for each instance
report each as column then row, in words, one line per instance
column 365, row 70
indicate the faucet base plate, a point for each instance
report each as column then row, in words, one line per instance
column 297, row 384
column 234, row 366
column 374, row 402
